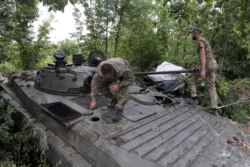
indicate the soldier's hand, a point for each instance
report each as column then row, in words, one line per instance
column 203, row 74
column 114, row 87
column 92, row 104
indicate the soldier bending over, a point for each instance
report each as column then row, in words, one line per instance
column 112, row 78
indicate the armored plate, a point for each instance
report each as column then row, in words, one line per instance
column 84, row 101
column 148, row 135
column 134, row 113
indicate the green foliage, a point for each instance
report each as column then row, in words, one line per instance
column 69, row 47
column 11, row 63
column 16, row 28
column 18, row 48
column 223, row 87
column 116, row 25
column 79, row 34
column 28, row 55
column 20, row 146
column 57, row 4
column 138, row 36
column 25, row 14
column 229, row 92
column 232, row 30
column 239, row 114
column 100, row 20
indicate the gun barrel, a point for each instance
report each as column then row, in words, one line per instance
column 164, row 72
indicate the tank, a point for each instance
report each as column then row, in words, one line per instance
column 156, row 130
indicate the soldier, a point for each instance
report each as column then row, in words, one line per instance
column 208, row 68
column 112, row 78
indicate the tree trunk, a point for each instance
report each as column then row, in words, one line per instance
column 227, row 22
column 119, row 26
column 106, row 36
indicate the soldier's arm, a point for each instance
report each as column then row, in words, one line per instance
column 127, row 78
column 96, row 83
column 202, row 58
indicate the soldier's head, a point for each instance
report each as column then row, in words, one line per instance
column 108, row 72
column 195, row 32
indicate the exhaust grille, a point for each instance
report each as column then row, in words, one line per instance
column 61, row 112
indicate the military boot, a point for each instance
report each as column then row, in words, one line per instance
column 113, row 116
column 192, row 101
column 112, row 104
column 117, row 116
column 212, row 111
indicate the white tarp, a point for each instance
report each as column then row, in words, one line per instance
column 165, row 66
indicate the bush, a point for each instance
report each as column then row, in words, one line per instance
column 231, row 91
column 6, row 68
column 20, row 146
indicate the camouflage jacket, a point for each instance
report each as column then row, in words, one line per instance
column 123, row 75
column 210, row 61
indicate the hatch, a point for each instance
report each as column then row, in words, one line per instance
column 61, row 112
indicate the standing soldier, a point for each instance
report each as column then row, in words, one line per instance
column 208, row 68
column 112, row 78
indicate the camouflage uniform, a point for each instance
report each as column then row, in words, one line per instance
column 123, row 76
column 211, row 68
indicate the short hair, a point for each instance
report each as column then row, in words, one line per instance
column 107, row 69
column 195, row 29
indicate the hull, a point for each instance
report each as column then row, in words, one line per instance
column 149, row 135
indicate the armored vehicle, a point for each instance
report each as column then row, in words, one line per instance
column 156, row 130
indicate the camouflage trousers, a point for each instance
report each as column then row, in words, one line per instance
column 209, row 83
column 121, row 97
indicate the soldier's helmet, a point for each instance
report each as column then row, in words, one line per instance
column 195, row 29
